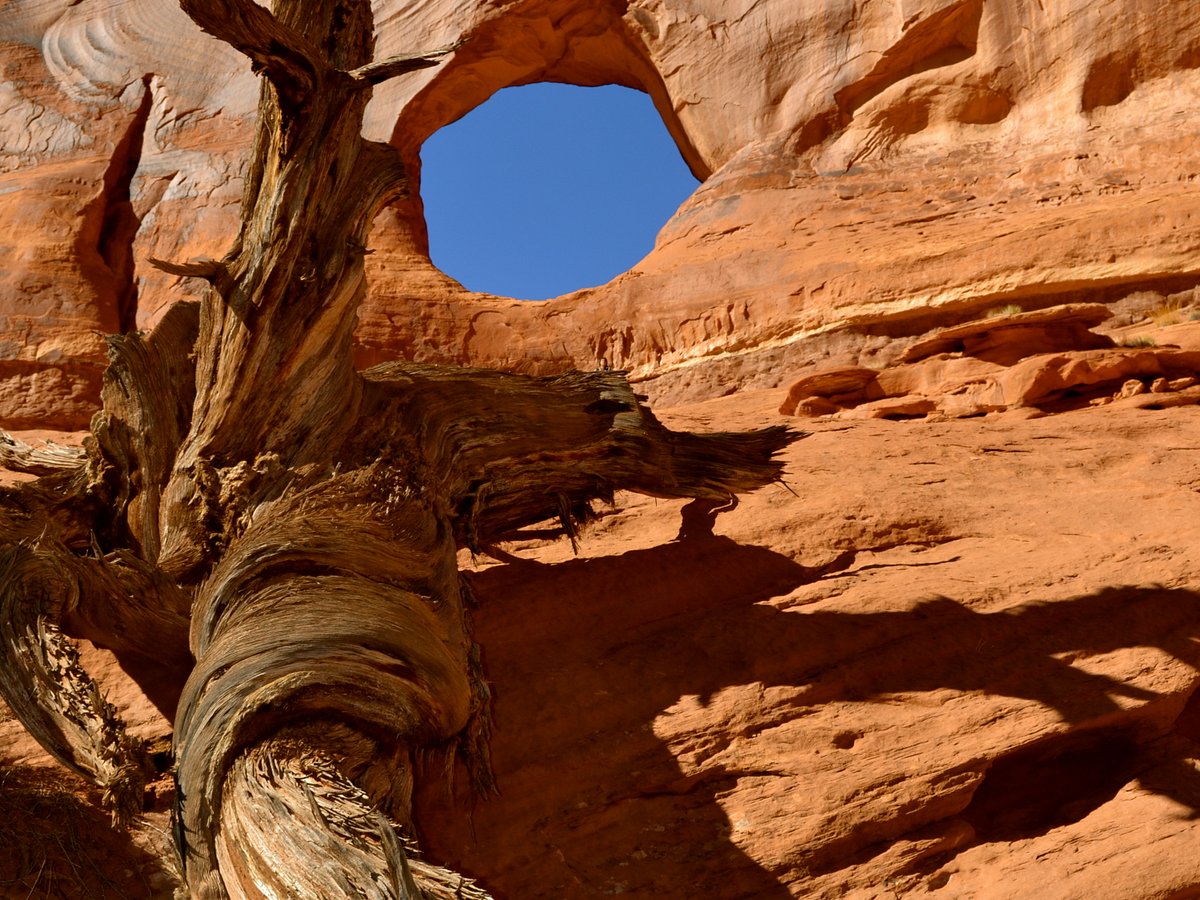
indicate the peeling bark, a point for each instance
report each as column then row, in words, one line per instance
column 271, row 537
column 17, row 456
column 48, row 690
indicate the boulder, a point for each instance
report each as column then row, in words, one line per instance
column 1009, row 337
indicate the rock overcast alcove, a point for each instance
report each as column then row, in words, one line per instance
column 545, row 189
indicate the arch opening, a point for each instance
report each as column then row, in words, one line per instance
column 549, row 188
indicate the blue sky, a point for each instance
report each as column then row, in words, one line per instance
column 548, row 188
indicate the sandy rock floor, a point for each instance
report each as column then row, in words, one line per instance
column 958, row 659
column 952, row 658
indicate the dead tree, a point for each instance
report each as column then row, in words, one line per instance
column 267, row 538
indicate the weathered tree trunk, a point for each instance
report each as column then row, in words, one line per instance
column 269, row 537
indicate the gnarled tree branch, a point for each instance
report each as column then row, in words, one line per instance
column 506, row 451
column 49, row 691
column 292, row 63
column 147, row 397
column 18, row 456
column 376, row 72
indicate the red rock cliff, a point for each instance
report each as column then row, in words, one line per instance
column 870, row 170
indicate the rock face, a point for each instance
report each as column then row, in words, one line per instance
column 102, row 165
column 960, row 659
column 1043, row 361
column 961, row 662
column 872, row 170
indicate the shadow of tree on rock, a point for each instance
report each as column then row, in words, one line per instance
column 585, row 655
column 57, row 842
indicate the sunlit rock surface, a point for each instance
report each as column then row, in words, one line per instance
column 873, row 171
column 959, row 241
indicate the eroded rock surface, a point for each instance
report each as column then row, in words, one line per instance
column 956, row 658
column 872, row 170
column 1039, row 362
column 960, row 659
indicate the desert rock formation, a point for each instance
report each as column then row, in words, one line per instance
column 872, row 170
column 1042, row 361
column 961, row 663
column 960, row 659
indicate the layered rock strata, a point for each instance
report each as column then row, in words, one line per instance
column 871, row 171
column 1044, row 361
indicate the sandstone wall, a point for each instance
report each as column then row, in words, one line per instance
column 960, row 660
column 871, row 169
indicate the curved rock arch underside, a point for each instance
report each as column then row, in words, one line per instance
column 216, row 256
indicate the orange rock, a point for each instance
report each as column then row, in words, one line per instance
column 949, row 665
column 827, row 383
column 1130, row 388
column 960, row 386
column 870, row 172
column 962, row 661
column 1045, row 378
column 810, row 406
column 1009, row 337
column 907, row 407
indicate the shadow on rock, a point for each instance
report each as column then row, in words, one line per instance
column 586, row 655
column 583, row 657
column 57, row 842
column 1025, row 652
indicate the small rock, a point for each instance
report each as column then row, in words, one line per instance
column 826, row 382
column 907, row 407
column 815, row 406
column 1131, row 388
column 1160, row 386
column 1181, row 384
